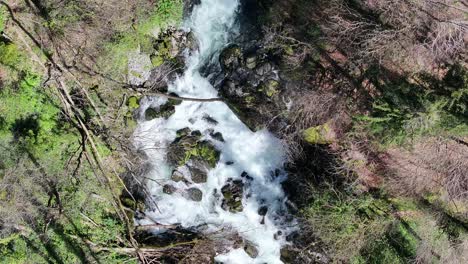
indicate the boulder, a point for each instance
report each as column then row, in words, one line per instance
column 250, row 249
column 198, row 175
column 230, row 57
column 262, row 211
column 150, row 114
column 217, row 135
column 195, row 194
column 165, row 110
column 209, row 119
column 177, row 176
column 322, row 134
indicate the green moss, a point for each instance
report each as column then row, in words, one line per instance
column 269, row 88
column 132, row 102
column 10, row 55
column 2, row 18
column 157, row 60
column 316, row 135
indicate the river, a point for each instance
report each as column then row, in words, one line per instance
column 259, row 155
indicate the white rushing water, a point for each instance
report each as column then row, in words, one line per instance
column 257, row 153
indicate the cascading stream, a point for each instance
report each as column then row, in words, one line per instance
column 259, row 155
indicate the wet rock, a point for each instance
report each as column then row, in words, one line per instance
column 232, row 193
column 165, row 110
column 195, row 194
column 209, row 119
column 217, row 135
column 150, row 114
column 250, row 249
column 186, row 147
column 169, row 189
column 277, row 235
column 244, row 174
column 196, row 133
column 177, row 176
column 192, row 43
column 207, row 152
column 198, row 175
column 230, row 57
column 182, row 132
column 229, row 163
column 263, row 210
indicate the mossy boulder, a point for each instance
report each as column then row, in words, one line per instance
column 188, row 147
column 164, row 111
column 232, row 193
column 321, row 135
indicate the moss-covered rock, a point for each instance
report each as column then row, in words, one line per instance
column 269, row 88
column 232, row 193
column 165, row 110
column 189, row 147
column 317, row 135
column 231, row 57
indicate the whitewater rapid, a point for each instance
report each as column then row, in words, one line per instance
column 259, row 153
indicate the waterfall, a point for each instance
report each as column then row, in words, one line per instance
column 258, row 154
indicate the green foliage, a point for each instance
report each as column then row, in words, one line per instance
column 167, row 12
column 10, row 55
column 115, row 59
column 2, row 18
column 71, row 12
column 407, row 111
column 42, row 151
column 344, row 221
